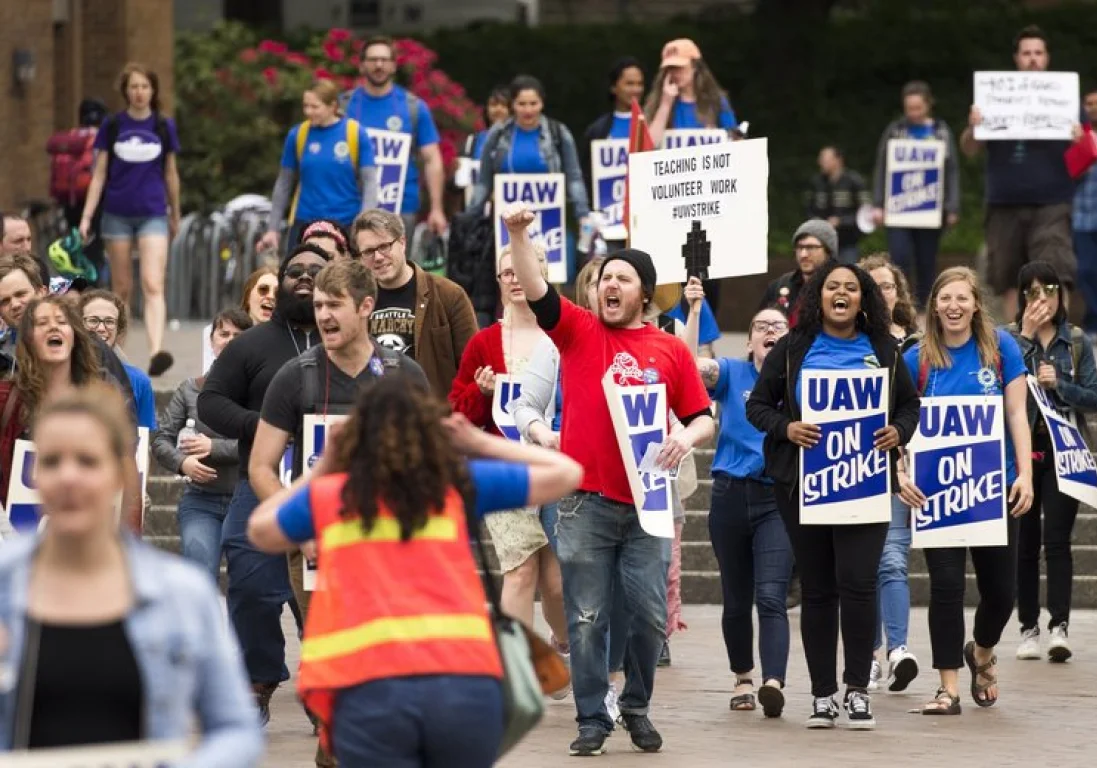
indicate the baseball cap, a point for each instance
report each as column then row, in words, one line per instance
column 679, row 53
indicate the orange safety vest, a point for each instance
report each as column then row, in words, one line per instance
column 388, row 608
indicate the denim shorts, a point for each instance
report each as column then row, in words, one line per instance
column 129, row 227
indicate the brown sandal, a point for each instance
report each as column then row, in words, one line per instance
column 744, row 702
column 944, row 703
column 981, row 670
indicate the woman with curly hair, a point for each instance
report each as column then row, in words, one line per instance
column 400, row 613
column 844, row 324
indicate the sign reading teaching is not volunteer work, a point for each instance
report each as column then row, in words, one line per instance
column 1075, row 468
column 609, row 176
column 914, row 184
column 1026, row 105
column 715, row 193
column 391, row 152
column 958, row 462
column 844, row 479
column 545, row 196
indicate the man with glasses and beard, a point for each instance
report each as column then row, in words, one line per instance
column 229, row 404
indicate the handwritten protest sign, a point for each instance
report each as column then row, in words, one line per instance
column 314, row 436
column 843, row 479
column 958, row 461
column 145, row 754
column 676, row 138
column 914, row 184
column 466, row 177
column 1026, row 105
column 391, row 152
column 639, row 415
column 507, row 389
column 609, row 175
column 701, row 210
column 545, row 195
column 1075, row 468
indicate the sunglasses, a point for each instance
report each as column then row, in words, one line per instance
column 297, row 271
column 1035, row 292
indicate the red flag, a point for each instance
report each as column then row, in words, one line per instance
column 639, row 140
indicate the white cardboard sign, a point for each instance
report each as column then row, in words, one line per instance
column 914, row 193
column 1027, row 105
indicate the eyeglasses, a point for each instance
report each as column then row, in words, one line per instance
column 765, row 326
column 297, row 271
column 1035, row 292
column 265, row 289
column 809, row 248
column 887, row 287
column 384, row 249
column 507, row 275
column 91, row 323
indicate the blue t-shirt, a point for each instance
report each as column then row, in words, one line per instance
column 390, row 113
column 500, row 485
column 966, row 377
column 708, row 331
column 685, row 116
column 920, row 132
column 328, row 183
column 739, row 445
column 135, row 172
column 619, row 129
column 478, row 144
column 829, row 353
column 525, row 152
column 143, row 398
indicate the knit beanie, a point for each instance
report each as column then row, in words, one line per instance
column 641, row 262
column 822, row 231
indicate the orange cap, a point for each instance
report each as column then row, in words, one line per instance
column 679, row 53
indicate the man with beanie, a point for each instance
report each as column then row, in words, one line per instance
column 599, row 538
column 230, row 403
column 814, row 244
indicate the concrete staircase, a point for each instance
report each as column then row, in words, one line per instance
column 700, row 576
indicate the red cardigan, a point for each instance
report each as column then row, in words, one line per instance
column 485, row 348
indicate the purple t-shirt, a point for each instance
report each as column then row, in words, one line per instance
column 135, row 185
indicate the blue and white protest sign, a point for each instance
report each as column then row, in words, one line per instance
column 391, row 152
column 914, row 184
column 958, row 462
column 639, row 415
column 1075, row 468
column 314, row 436
column 675, row 138
column 507, row 389
column 466, row 177
column 844, row 479
column 133, row 754
column 546, row 197
column 609, row 178
column 285, row 467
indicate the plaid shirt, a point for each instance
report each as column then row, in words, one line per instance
column 1085, row 203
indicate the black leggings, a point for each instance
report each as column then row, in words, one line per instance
column 838, row 565
column 995, row 575
column 1059, row 512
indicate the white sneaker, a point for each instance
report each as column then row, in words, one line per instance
column 874, row 676
column 902, row 668
column 1058, row 647
column 1029, row 649
column 611, row 704
column 563, row 692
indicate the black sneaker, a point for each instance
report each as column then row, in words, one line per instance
column 824, row 712
column 263, row 692
column 591, row 742
column 664, row 655
column 643, row 734
column 859, row 711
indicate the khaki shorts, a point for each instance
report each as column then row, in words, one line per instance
column 1018, row 234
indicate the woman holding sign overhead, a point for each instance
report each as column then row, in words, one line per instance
column 963, row 354
column 1058, row 355
column 844, row 326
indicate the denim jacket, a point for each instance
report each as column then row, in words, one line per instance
column 566, row 160
column 189, row 661
column 1074, row 390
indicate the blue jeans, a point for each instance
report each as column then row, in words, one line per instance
column 893, row 588
column 548, row 516
column 444, row 721
column 201, row 517
column 113, row 227
column 258, row 588
column 1085, row 250
column 755, row 558
column 915, row 252
column 600, row 542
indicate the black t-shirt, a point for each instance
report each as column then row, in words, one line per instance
column 1028, row 173
column 393, row 321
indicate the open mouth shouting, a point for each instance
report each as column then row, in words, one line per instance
column 329, row 331
column 769, row 342
column 612, row 301
column 266, row 308
column 54, row 340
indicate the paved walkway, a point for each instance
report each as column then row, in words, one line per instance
column 1045, row 716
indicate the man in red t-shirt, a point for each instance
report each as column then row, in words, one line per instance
column 600, row 540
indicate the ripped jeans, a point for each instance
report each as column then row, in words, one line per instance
column 598, row 539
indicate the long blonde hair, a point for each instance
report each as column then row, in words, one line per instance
column 934, row 353
column 707, row 92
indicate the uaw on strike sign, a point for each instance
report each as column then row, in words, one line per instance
column 1075, row 468
column 508, row 388
column 609, row 176
column 958, row 462
column 314, row 435
column 545, row 196
column 391, row 152
column 914, row 184
column 844, row 479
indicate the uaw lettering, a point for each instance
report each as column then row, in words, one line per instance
column 639, row 415
column 1026, row 105
column 1075, row 468
column 314, row 436
column 721, row 186
column 914, row 184
column 609, row 172
column 545, row 196
column 391, row 152
column 958, row 462
column 507, row 389
column 676, row 138
column 844, row 479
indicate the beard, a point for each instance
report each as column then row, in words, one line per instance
column 297, row 310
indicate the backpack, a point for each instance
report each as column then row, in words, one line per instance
column 313, row 384
column 353, row 129
column 554, row 131
column 72, row 162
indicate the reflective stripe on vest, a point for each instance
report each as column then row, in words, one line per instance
column 349, row 532
column 407, row 629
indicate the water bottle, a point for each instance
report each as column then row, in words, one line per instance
column 186, row 433
column 586, row 234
